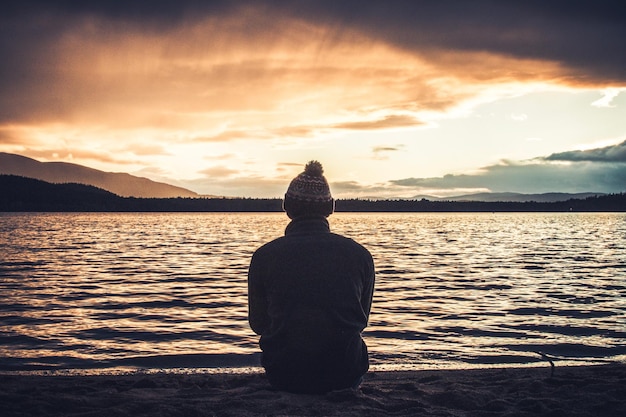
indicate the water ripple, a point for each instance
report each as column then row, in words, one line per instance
column 169, row 290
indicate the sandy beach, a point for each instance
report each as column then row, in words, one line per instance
column 597, row 390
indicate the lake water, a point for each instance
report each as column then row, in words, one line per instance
column 168, row 291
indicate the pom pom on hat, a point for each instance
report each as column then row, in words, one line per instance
column 314, row 169
column 310, row 185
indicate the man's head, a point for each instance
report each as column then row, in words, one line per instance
column 308, row 194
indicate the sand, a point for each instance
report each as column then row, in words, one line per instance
column 598, row 390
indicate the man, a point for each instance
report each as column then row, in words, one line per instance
column 310, row 295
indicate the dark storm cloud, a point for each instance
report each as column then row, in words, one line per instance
column 586, row 36
column 583, row 36
column 532, row 178
column 596, row 170
column 136, row 10
column 615, row 153
column 33, row 61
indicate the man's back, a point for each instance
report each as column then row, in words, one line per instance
column 310, row 294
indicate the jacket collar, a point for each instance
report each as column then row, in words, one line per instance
column 308, row 225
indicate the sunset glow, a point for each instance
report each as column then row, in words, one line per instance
column 396, row 101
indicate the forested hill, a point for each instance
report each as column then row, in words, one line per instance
column 27, row 194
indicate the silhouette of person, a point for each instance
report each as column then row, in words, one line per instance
column 310, row 295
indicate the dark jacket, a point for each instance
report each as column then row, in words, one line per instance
column 310, row 294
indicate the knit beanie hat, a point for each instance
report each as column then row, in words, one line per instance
column 310, row 185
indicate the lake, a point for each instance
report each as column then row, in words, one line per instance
column 119, row 291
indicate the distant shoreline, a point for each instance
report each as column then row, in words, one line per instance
column 20, row 194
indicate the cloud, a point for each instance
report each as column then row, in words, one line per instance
column 146, row 149
column 615, row 153
column 173, row 62
column 308, row 131
column 389, row 122
column 581, row 35
column 10, row 136
column 219, row 171
column 386, row 148
column 608, row 95
column 382, row 152
column 239, row 70
column 151, row 13
column 289, row 165
column 530, row 177
column 73, row 154
column 229, row 135
column 518, row 117
column 594, row 170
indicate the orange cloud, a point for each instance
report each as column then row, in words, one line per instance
column 245, row 69
column 388, row 122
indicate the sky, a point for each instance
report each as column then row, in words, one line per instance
column 395, row 98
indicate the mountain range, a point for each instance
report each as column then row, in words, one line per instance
column 122, row 184
column 22, row 194
column 126, row 185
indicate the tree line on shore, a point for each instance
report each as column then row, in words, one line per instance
column 31, row 195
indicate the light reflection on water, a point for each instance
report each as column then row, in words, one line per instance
column 169, row 290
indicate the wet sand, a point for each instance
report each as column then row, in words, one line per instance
column 598, row 390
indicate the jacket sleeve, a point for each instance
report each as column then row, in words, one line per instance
column 368, row 287
column 257, row 300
